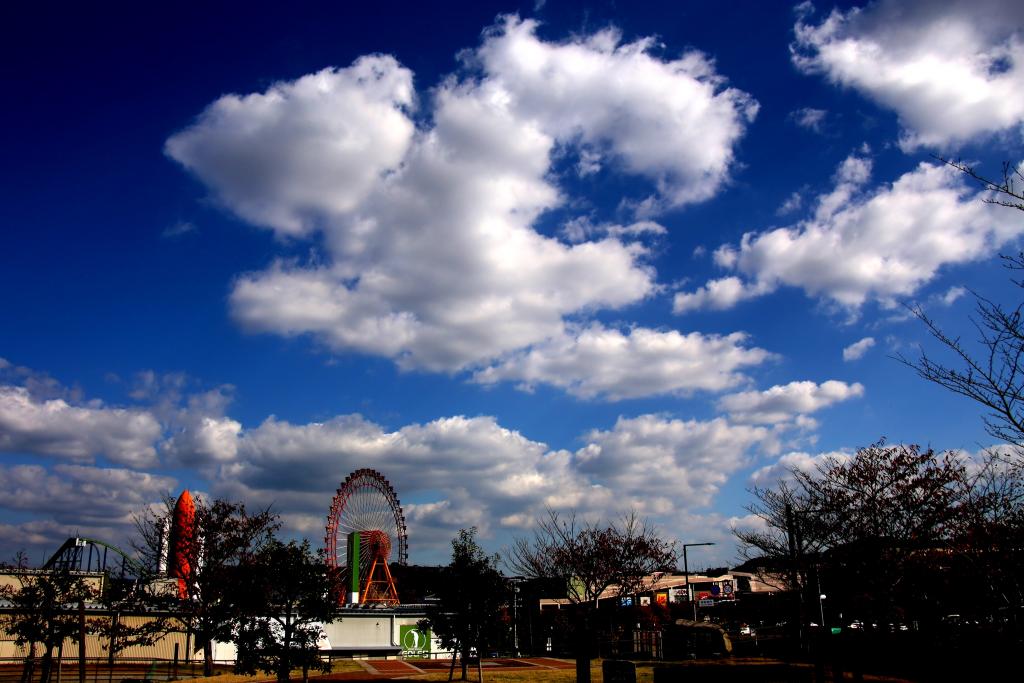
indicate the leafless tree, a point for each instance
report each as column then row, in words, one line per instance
column 225, row 535
column 590, row 559
column 1006, row 192
column 987, row 370
column 990, row 370
column 42, row 611
column 888, row 526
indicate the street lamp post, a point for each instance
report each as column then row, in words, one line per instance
column 686, row 576
column 515, row 581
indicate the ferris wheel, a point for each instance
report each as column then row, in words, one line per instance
column 366, row 504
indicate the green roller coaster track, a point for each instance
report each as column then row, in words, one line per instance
column 72, row 554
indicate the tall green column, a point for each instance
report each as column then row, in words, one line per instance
column 352, row 562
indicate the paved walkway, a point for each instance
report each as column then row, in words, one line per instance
column 503, row 664
column 389, row 667
column 392, row 669
column 373, row 670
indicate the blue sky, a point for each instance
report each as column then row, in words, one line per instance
column 585, row 257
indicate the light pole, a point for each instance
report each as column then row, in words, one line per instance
column 686, row 576
column 821, row 607
column 515, row 614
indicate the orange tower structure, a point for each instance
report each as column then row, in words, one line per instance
column 180, row 547
column 380, row 585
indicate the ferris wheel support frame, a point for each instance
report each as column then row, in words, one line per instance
column 362, row 481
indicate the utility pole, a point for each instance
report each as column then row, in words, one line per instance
column 795, row 555
column 686, row 576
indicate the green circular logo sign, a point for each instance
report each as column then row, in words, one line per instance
column 414, row 640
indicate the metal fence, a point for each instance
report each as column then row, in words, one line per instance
column 67, row 670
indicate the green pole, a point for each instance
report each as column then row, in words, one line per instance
column 353, row 566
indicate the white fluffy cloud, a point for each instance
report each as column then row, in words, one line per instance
column 54, row 427
column 447, row 468
column 306, row 150
column 857, row 349
column 717, row 295
column 80, row 493
column 75, row 500
column 451, row 472
column 597, row 361
column 668, row 463
column 782, row 469
column 170, row 425
column 952, row 71
column 860, row 245
column 782, row 403
column 431, row 256
column 460, row 471
column 201, row 438
column 672, row 121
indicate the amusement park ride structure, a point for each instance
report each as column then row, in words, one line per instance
column 364, row 525
column 365, row 530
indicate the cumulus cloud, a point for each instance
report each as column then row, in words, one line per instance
column 40, row 534
column 952, row 71
column 857, row 349
column 430, row 253
column 717, row 295
column 502, row 476
column 782, row 469
column 81, row 493
column 76, row 500
column 504, row 481
column 451, row 472
column 597, row 361
column 200, row 439
column 172, row 424
column 882, row 245
column 672, row 121
column 666, row 461
column 303, row 150
column 782, row 403
column 197, row 429
column 55, row 427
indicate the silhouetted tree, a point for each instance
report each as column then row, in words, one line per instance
column 226, row 535
column 116, row 636
column 989, row 534
column 877, row 523
column 590, row 559
column 285, row 592
column 990, row 369
column 44, row 611
column 471, row 594
column 1005, row 192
